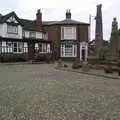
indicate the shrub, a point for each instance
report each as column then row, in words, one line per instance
column 108, row 68
column 65, row 65
column 48, row 59
column 76, row 64
column 59, row 64
column 85, row 66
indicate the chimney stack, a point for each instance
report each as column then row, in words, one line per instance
column 39, row 18
column 68, row 14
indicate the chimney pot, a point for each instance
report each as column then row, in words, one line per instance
column 68, row 14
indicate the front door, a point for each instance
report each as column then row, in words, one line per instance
column 83, row 54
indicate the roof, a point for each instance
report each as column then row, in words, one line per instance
column 30, row 25
column 27, row 24
column 3, row 18
column 48, row 22
column 64, row 22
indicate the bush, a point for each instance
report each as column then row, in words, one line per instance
column 59, row 64
column 76, row 64
column 65, row 65
column 85, row 67
column 48, row 59
column 108, row 68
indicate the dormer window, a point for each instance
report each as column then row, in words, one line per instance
column 12, row 29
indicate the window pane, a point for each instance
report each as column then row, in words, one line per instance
column 9, row 47
column 32, row 34
column 12, row 29
column 20, row 46
column 69, row 32
column 14, row 47
column 68, row 50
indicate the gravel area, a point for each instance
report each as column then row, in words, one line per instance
column 40, row 92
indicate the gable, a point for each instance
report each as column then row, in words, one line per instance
column 12, row 19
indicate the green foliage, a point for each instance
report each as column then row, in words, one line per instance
column 77, row 64
column 65, row 65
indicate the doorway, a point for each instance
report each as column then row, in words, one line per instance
column 83, row 54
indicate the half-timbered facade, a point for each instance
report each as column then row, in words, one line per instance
column 21, row 37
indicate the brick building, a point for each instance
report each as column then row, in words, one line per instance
column 70, row 37
column 66, row 39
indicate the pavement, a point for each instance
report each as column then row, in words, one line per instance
column 41, row 92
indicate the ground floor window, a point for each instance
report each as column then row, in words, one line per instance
column 17, row 47
column 43, row 47
column 12, row 47
column 68, row 50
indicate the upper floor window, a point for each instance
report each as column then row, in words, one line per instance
column 12, row 29
column 23, row 33
column 45, row 36
column 32, row 34
column 68, row 33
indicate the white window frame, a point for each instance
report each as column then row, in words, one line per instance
column 68, row 33
column 9, row 47
column 19, row 47
column 65, row 49
column 32, row 34
column 12, row 29
column 42, row 47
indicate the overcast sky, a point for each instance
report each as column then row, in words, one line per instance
column 55, row 10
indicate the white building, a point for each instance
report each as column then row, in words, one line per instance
column 21, row 37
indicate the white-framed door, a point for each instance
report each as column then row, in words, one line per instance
column 83, row 51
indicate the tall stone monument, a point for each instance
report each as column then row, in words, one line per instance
column 98, row 30
column 114, row 47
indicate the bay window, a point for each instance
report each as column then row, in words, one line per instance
column 68, row 50
column 42, row 47
column 9, row 47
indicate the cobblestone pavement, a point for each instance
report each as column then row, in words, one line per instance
column 40, row 92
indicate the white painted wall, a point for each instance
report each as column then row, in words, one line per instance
column 26, row 34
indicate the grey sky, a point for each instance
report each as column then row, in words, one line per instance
column 55, row 10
